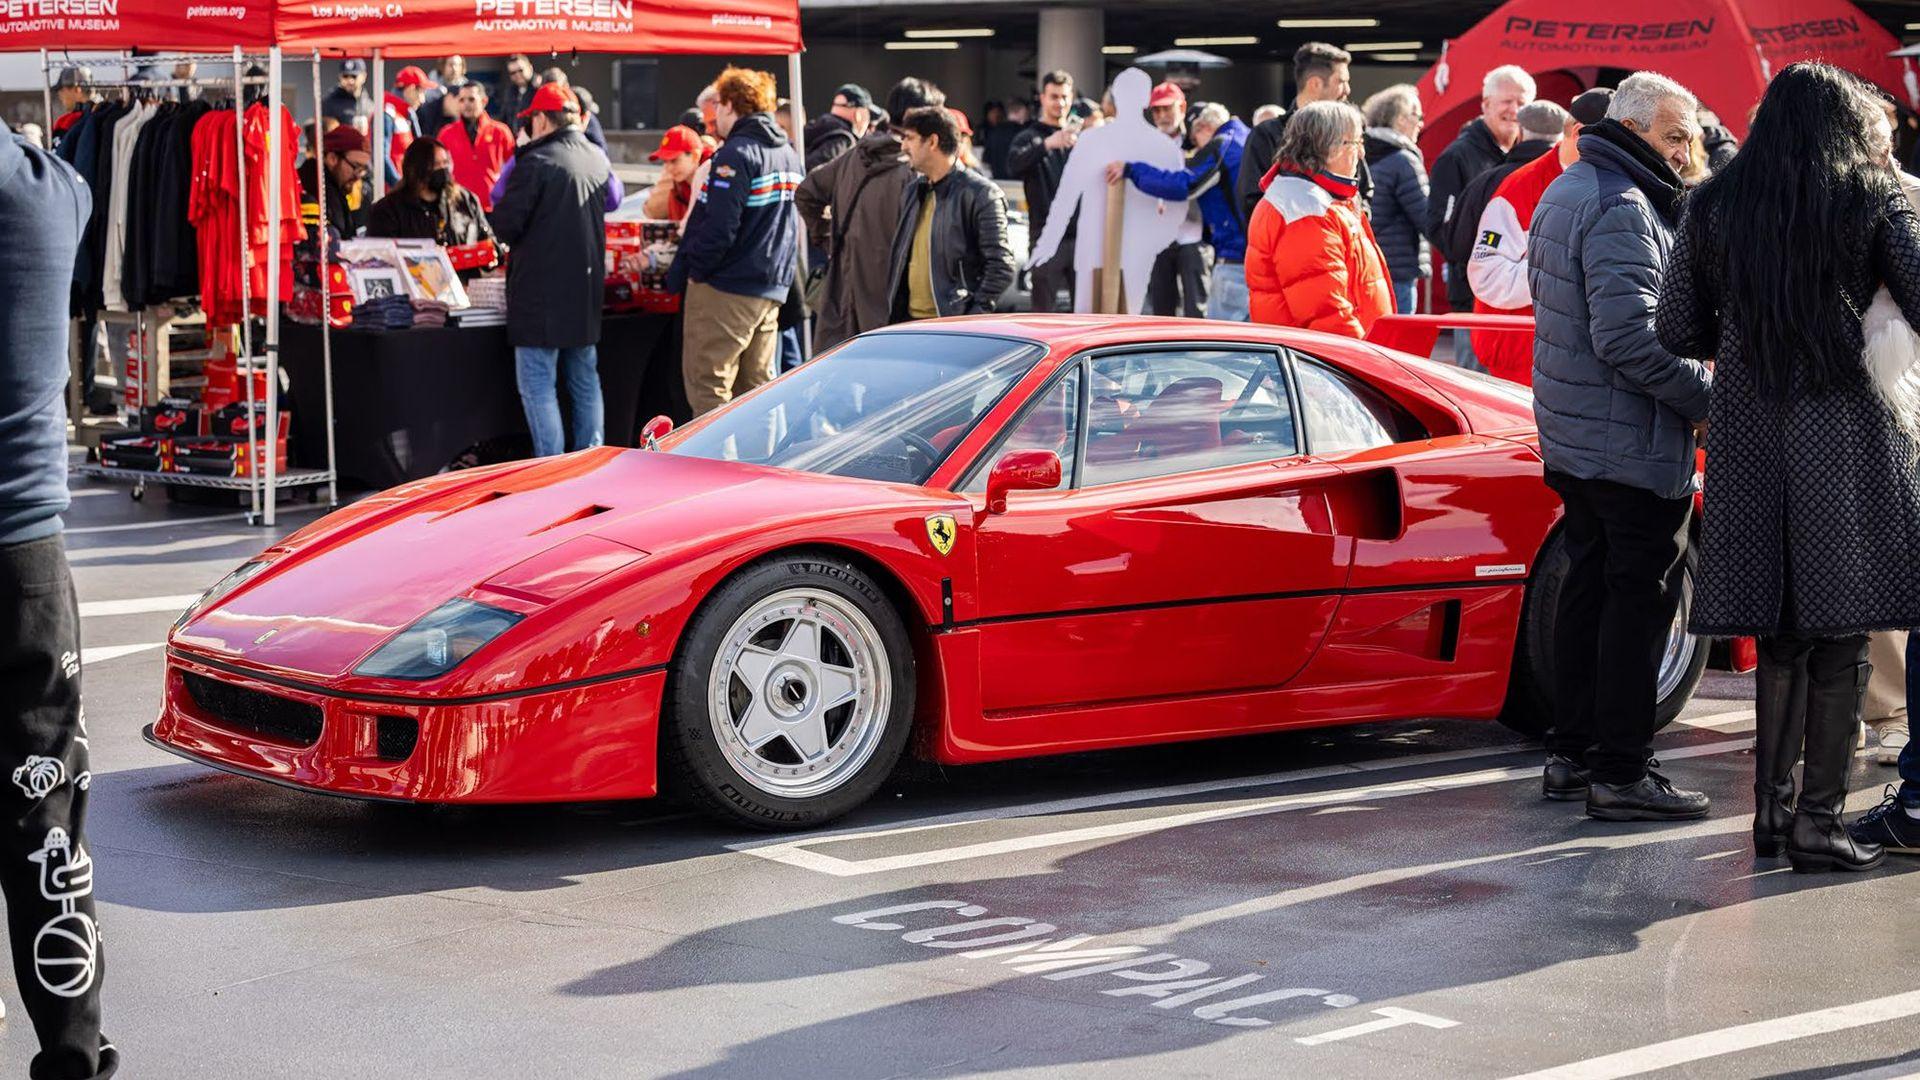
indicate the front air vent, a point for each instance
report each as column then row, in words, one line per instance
column 479, row 500
column 253, row 712
column 395, row 737
column 581, row 514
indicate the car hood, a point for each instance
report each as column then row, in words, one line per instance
column 535, row 533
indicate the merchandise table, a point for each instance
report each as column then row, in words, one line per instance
column 411, row 401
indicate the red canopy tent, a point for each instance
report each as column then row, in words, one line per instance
column 412, row 28
column 1722, row 50
column 383, row 28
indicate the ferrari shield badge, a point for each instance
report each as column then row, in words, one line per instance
column 941, row 532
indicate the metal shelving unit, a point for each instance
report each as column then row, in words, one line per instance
column 262, row 486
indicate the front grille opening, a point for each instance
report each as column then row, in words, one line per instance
column 251, row 712
column 395, row 737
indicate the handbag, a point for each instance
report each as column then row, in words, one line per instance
column 1892, row 356
column 1892, row 350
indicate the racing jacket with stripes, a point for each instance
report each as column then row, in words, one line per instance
column 743, row 235
column 1497, row 270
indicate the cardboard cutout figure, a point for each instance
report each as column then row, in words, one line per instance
column 1147, row 224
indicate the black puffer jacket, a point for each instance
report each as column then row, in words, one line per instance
column 1464, row 230
column 1473, row 153
column 453, row 219
column 554, row 217
column 1813, row 499
column 972, row 266
column 1399, row 203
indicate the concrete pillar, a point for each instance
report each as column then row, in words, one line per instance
column 1070, row 38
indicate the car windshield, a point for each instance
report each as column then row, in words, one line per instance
column 881, row 407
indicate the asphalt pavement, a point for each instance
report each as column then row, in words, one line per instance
column 1382, row 900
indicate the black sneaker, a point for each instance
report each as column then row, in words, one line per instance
column 1889, row 826
column 1564, row 780
column 1651, row 798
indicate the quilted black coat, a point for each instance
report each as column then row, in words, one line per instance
column 1812, row 501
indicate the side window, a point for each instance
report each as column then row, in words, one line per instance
column 1161, row 413
column 1345, row 414
column 1053, row 424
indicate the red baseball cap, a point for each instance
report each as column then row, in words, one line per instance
column 679, row 139
column 960, row 118
column 1167, row 93
column 411, row 76
column 551, row 97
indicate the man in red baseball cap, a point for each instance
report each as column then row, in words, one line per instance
column 344, row 157
column 680, row 153
column 552, row 213
column 401, row 105
column 1168, row 107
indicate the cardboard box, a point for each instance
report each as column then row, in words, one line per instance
column 152, row 453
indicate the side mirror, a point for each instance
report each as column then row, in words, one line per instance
column 655, row 430
column 1021, row 470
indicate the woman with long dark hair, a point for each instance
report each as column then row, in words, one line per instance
column 428, row 204
column 1813, row 482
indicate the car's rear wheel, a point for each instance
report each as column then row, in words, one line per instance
column 792, row 696
column 1530, row 703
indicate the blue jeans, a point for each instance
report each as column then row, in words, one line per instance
column 535, row 369
column 790, row 355
column 1910, row 755
column 1404, row 297
column 1227, row 293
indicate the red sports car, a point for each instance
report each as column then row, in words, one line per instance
column 987, row 538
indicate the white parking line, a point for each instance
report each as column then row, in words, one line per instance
column 102, row 653
column 799, row 853
column 134, row 551
column 1710, row 1044
column 168, row 523
column 138, row 605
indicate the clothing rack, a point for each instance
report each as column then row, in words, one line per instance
column 264, row 484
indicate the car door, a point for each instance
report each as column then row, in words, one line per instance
column 1189, row 550
column 1466, row 505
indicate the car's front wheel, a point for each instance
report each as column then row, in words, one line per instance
column 792, row 695
column 1530, row 698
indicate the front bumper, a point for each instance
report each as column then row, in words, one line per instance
column 585, row 741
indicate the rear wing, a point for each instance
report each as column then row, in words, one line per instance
column 1417, row 334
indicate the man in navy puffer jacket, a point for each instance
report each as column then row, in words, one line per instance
column 738, row 250
column 1616, row 413
column 43, row 748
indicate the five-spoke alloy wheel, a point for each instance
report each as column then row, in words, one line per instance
column 791, row 695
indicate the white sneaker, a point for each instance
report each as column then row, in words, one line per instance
column 1893, row 738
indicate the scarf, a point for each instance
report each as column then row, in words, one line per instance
column 1661, row 185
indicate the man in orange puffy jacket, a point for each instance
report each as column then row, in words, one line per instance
column 1312, row 260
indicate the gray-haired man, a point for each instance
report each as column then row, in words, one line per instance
column 1617, row 414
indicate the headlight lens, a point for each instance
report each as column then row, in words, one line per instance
column 438, row 642
column 225, row 585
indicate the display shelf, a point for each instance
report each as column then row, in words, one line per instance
column 140, row 478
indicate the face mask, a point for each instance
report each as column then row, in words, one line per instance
column 438, row 180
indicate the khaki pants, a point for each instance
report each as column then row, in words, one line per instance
column 728, row 345
column 1887, row 691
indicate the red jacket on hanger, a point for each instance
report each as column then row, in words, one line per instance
column 477, row 160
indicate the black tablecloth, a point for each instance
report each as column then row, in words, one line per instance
column 407, row 403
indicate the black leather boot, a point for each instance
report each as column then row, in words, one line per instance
column 1837, row 673
column 1780, row 706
